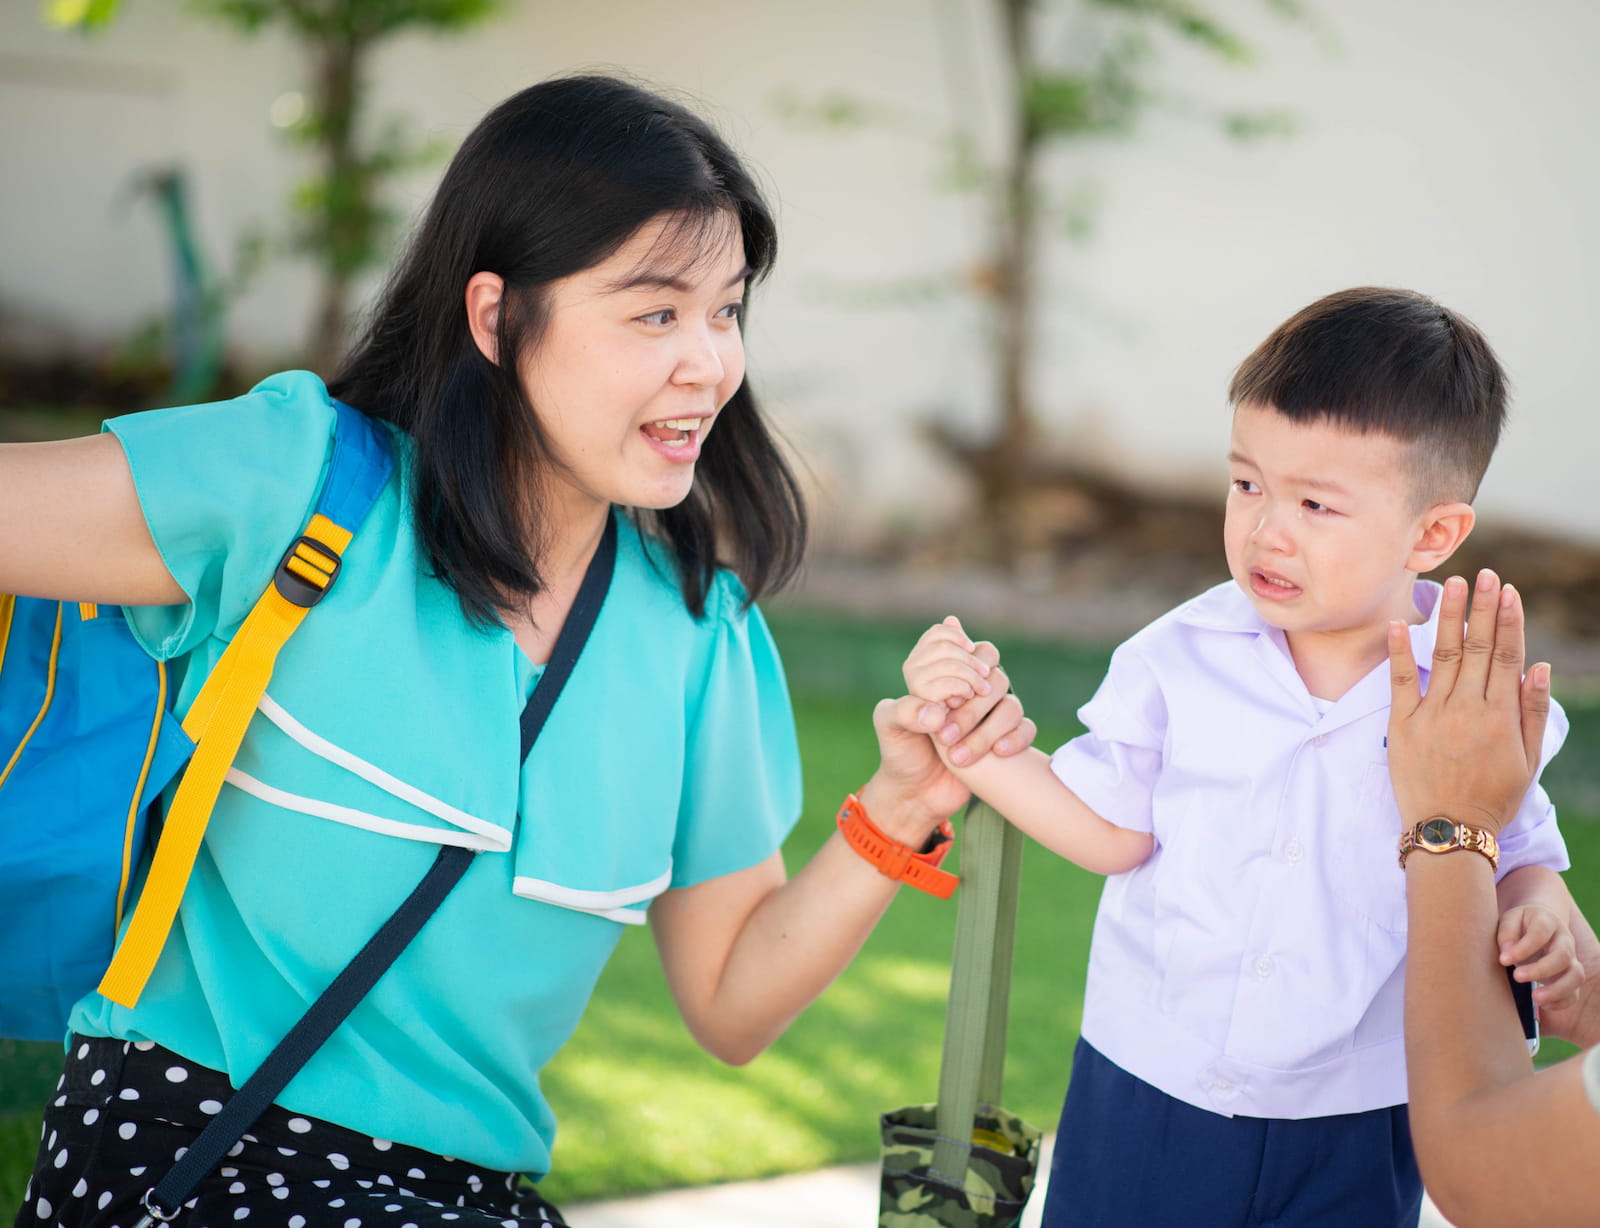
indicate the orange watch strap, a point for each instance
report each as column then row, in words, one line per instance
column 895, row 860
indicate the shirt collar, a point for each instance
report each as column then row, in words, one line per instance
column 1226, row 608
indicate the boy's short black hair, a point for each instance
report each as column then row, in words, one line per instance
column 1392, row 362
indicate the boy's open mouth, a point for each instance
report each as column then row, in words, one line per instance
column 1273, row 588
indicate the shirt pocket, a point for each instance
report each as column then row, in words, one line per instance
column 1365, row 848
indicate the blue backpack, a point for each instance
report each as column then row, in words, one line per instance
column 88, row 744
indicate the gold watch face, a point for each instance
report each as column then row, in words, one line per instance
column 1438, row 832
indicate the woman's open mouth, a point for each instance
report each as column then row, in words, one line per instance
column 674, row 432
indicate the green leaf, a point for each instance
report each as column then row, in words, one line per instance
column 248, row 15
column 79, row 14
column 356, row 20
column 1259, row 125
column 1189, row 21
column 1105, row 100
column 832, row 111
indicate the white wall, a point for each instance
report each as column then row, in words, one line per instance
column 1447, row 146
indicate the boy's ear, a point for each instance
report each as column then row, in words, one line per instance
column 483, row 294
column 1444, row 527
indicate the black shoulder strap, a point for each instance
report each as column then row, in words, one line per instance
column 574, row 635
column 166, row 1199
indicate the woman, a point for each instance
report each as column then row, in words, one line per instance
column 561, row 348
column 1497, row 1145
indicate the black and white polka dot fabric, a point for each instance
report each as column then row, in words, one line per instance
column 123, row 1114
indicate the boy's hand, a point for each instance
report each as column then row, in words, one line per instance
column 946, row 667
column 947, row 671
column 1541, row 947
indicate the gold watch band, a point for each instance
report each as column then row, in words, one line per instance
column 1442, row 834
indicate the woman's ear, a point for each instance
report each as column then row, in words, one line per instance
column 1444, row 527
column 484, row 291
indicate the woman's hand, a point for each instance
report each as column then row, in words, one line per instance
column 1468, row 749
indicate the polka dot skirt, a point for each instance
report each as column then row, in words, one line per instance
column 124, row 1113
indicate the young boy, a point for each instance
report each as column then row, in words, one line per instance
column 1241, row 1059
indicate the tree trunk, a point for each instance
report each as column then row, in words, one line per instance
column 339, row 232
column 1002, row 467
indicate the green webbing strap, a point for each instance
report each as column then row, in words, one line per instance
column 973, row 1067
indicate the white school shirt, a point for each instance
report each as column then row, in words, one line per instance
column 1253, row 964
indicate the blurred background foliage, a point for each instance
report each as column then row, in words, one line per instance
column 338, row 215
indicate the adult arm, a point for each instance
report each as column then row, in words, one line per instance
column 746, row 952
column 71, row 527
column 1496, row 1144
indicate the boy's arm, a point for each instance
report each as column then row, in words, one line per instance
column 1578, row 1020
column 1534, row 934
column 1032, row 797
column 946, row 669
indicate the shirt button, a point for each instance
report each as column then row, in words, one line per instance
column 1320, row 740
column 1263, row 966
column 1221, row 1085
column 1293, row 851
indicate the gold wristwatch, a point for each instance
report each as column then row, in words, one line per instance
column 1443, row 835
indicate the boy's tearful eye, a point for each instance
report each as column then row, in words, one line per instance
column 1244, row 486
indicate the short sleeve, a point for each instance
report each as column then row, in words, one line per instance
column 741, row 788
column 1113, row 767
column 1532, row 837
column 224, row 488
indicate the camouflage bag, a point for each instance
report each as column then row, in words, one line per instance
column 965, row 1162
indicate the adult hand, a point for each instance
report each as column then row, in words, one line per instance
column 1468, row 749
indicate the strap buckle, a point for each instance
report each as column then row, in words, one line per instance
column 154, row 1213
column 306, row 572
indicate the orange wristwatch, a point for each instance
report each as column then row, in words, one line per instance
column 896, row 860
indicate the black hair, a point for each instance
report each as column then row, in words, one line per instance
column 1392, row 362
column 551, row 182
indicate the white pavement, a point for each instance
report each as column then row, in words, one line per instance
column 842, row 1197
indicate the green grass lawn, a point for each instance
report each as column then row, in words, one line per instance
column 642, row 1107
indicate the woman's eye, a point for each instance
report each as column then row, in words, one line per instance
column 661, row 318
column 733, row 311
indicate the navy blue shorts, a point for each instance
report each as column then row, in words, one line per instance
column 1129, row 1155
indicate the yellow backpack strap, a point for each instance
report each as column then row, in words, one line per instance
column 216, row 722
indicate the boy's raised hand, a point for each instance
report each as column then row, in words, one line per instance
column 944, row 670
column 947, row 667
column 1540, row 946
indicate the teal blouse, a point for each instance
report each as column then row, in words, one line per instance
column 390, row 726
